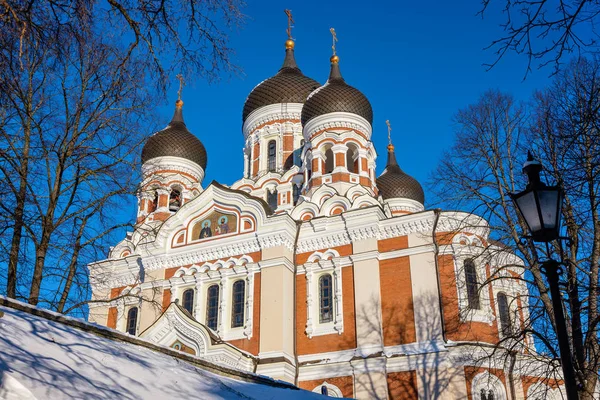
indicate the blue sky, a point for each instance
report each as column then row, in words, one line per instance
column 417, row 62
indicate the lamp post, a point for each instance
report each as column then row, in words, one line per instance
column 540, row 206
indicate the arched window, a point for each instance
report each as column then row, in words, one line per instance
column 132, row 316
column 472, row 285
column 272, row 199
column 272, row 160
column 248, row 165
column 154, row 205
column 325, row 298
column 486, row 394
column 188, row 301
column 212, row 307
column 324, row 390
column 295, row 193
column 237, row 307
column 504, row 311
column 350, row 160
column 329, row 161
column 174, row 200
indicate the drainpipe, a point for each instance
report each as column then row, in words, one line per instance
column 298, row 225
column 436, row 251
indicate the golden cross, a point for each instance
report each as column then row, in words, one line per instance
column 387, row 122
column 290, row 22
column 181, row 84
column 335, row 39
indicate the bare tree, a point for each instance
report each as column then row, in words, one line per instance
column 561, row 127
column 75, row 107
column 545, row 31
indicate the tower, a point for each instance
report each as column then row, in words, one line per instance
column 336, row 121
column 399, row 191
column 273, row 134
column 173, row 165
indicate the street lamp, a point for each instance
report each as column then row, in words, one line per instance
column 540, row 206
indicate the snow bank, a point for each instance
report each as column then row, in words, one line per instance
column 44, row 359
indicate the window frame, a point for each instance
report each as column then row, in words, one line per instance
column 272, row 155
column 184, row 300
column 209, row 318
column 472, row 285
column 129, row 327
column 239, row 303
column 326, row 316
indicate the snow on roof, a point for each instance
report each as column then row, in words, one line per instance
column 47, row 356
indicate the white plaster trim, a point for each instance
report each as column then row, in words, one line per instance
column 337, row 120
column 156, row 164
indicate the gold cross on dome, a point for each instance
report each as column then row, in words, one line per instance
column 290, row 23
column 335, row 39
column 387, row 122
column 181, row 84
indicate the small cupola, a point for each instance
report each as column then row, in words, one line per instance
column 336, row 96
column 289, row 85
column 175, row 141
column 394, row 183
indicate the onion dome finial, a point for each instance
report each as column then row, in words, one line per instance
column 175, row 140
column 336, row 95
column 393, row 182
column 289, row 85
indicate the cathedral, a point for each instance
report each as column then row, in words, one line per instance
column 312, row 269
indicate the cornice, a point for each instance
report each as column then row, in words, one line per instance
column 270, row 113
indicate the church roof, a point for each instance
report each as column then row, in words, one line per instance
column 336, row 96
column 289, row 85
column 175, row 141
column 46, row 355
column 395, row 183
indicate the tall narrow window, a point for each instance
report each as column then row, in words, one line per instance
column 188, row 301
column 472, row 285
column 329, row 161
column 272, row 199
column 238, row 300
column 504, row 310
column 212, row 307
column 295, row 193
column 272, row 147
column 174, row 200
column 248, row 164
column 325, row 298
column 132, row 316
column 350, row 160
column 154, row 202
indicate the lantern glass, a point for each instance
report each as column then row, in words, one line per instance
column 549, row 207
column 526, row 202
column 541, row 207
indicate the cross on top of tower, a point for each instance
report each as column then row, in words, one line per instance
column 181, row 84
column 334, row 38
column 290, row 23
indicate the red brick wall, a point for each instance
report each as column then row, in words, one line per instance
column 252, row 345
column 396, row 302
column 344, row 383
column 455, row 329
column 332, row 342
column 402, row 385
column 471, row 372
column 397, row 243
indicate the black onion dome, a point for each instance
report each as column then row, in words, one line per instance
column 336, row 96
column 289, row 85
column 394, row 183
column 175, row 141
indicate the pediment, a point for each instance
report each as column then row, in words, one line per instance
column 176, row 327
column 218, row 213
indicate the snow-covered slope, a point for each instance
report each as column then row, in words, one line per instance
column 45, row 359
